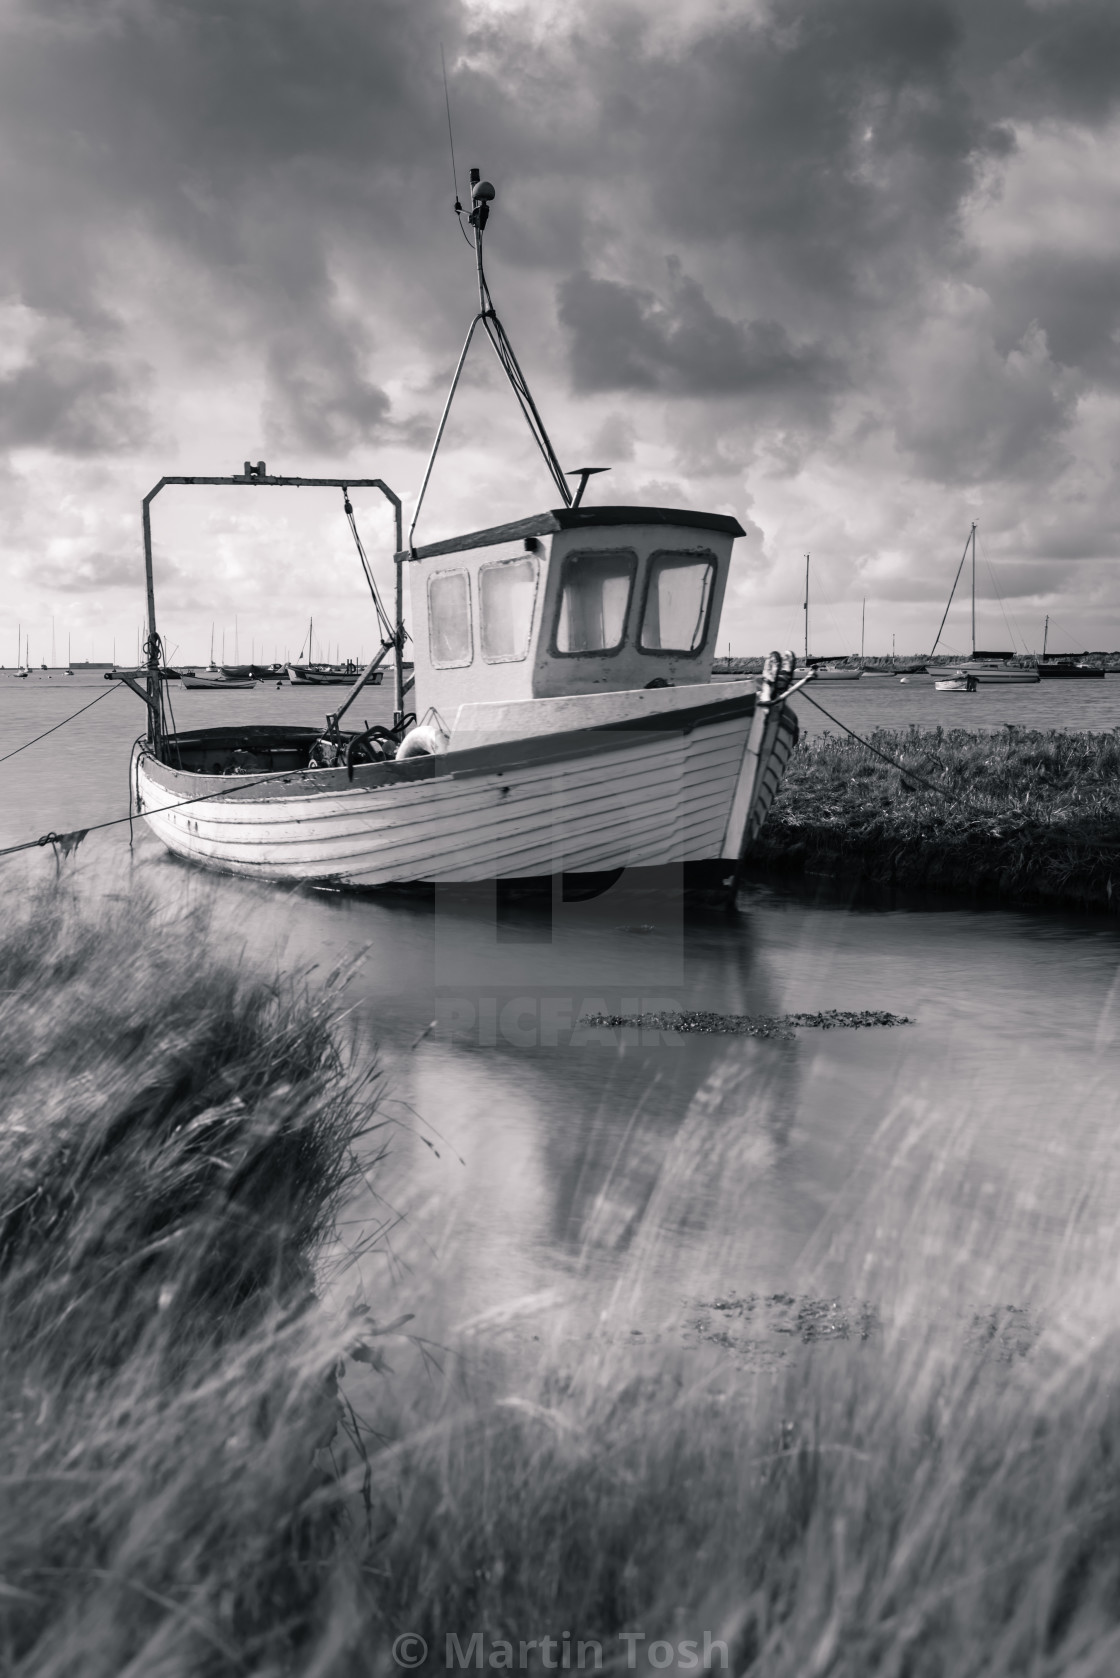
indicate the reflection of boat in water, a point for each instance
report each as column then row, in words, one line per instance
column 982, row 668
column 569, row 723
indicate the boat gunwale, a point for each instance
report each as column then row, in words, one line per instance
column 567, row 745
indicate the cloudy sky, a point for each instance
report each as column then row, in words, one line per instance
column 849, row 269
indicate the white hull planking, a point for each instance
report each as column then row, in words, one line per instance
column 653, row 798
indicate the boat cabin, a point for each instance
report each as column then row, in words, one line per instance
column 578, row 600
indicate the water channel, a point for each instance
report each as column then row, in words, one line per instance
column 971, row 1158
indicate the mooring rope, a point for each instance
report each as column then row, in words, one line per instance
column 70, row 841
column 946, row 792
column 54, row 730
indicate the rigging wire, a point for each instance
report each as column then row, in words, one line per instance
column 952, row 591
column 503, row 349
column 1012, row 628
column 388, row 634
column 451, row 142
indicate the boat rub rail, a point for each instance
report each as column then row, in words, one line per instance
column 263, row 741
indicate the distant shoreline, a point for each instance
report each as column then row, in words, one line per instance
column 751, row 665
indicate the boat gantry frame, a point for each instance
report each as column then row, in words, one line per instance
column 255, row 476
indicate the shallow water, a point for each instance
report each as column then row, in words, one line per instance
column 971, row 1158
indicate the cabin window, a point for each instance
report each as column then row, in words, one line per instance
column 507, row 591
column 449, row 619
column 678, row 603
column 594, row 599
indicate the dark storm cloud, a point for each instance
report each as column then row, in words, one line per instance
column 625, row 337
column 810, row 160
column 244, row 145
column 72, row 402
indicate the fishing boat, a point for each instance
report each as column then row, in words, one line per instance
column 831, row 669
column 982, row 668
column 1065, row 667
column 564, row 723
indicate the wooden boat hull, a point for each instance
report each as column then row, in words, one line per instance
column 688, row 784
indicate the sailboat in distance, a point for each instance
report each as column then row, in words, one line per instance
column 1065, row 666
column 831, row 669
column 983, row 668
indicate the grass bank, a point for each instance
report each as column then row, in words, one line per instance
column 1023, row 816
column 205, row 1472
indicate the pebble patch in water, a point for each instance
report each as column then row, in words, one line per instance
column 745, row 1025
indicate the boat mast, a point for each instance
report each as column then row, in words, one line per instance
column 806, row 611
column 1045, row 633
column 862, row 628
column 482, row 196
column 973, row 536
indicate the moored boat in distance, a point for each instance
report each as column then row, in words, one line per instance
column 565, row 723
column 832, row 669
column 329, row 676
column 1065, row 667
column 1056, row 669
column 981, row 668
column 996, row 670
column 214, row 678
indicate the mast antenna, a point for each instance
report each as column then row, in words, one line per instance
column 451, row 143
column 482, row 196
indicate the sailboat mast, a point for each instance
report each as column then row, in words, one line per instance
column 806, row 610
column 862, row 628
column 1045, row 633
column 973, row 533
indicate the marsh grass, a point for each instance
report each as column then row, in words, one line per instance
column 1024, row 815
column 177, row 1135
column 204, row 1472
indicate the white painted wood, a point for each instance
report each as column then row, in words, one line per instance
column 478, row 724
column 649, row 798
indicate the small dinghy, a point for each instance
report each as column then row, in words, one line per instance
column 564, row 721
column 217, row 681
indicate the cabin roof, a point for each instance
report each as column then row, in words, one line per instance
column 577, row 518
